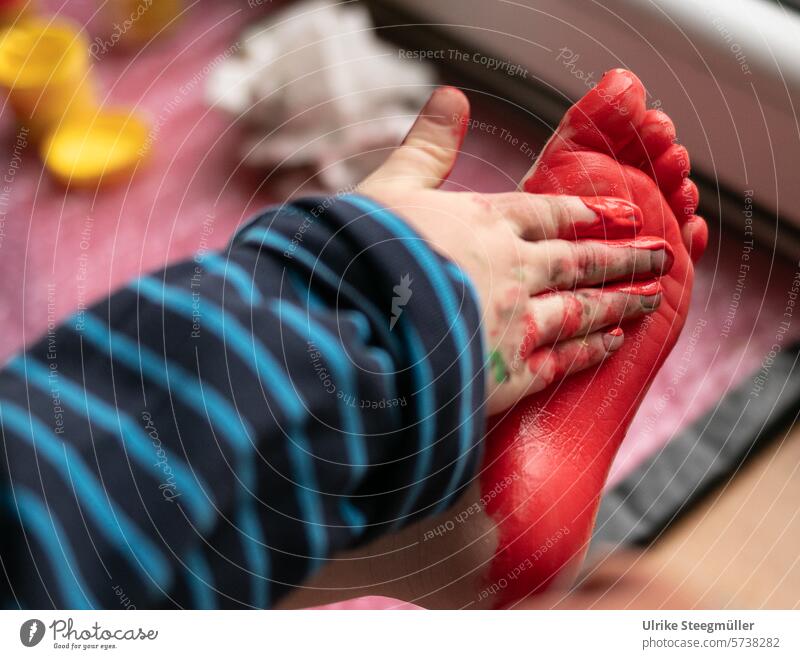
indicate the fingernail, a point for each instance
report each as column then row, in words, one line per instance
column 611, row 215
column 647, row 242
column 643, row 288
column 661, row 261
column 614, row 339
column 650, row 302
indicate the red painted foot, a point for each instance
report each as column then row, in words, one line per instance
column 556, row 447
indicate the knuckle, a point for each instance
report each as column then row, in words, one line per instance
column 559, row 216
column 547, row 372
column 573, row 264
column 621, row 259
column 588, row 258
column 594, row 349
column 429, row 157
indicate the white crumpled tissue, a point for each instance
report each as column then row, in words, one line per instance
column 316, row 88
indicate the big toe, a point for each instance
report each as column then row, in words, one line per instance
column 607, row 118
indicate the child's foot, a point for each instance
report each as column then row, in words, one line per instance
column 548, row 459
column 557, row 446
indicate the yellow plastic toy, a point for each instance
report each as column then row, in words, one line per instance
column 44, row 64
column 45, row 67
column 99, row 149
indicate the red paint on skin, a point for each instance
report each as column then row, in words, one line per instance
column 512, row 297
column 560, row 442
column 482, row 201
column 561, row 361
column 613, row 217
column 601, row 107
column 697, row 231
column 671, row 167
column 656, row 135
column 460, row 127
column 530, row 337
column 559, row 267
column 557, row 364
column 616, row 332
column 648, row 243
column 536, row 361
column 644, row 288
column 645, row 242
column 683, row 201
column 573, row 316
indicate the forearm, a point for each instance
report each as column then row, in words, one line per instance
column 211, row 433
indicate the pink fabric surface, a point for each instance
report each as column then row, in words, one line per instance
column 369, row 604
column 60, row 250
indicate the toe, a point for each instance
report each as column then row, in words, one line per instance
column 656, row 134
column 608, row 117
column 671, row 168
column 695, row 237
column 683, row 201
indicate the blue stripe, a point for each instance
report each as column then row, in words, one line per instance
column 35, row 517
column 114, row 524
column 422, row 375
column 207, row 403
column 442, row 288
column 315, row 303
column 362, row 328
column 261, row 236
column 200, row 581
column 361, row 325
column 169, row 376
column 352, row 516
column 343, row 373
column 121, row 425
column 253, row 353
column 233, row 274
column 257, row 553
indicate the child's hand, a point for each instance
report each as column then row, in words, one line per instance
column 536, row 261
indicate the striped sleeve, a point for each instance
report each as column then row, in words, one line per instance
column 209, row 435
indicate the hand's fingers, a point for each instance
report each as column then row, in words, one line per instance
column 549, row 365
column 429, row 151
column 561, row 316
column 539, row 217
column 590, row 262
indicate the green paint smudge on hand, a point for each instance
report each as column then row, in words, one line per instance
column 498, row 366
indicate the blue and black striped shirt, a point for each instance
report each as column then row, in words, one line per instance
column 210, row 434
